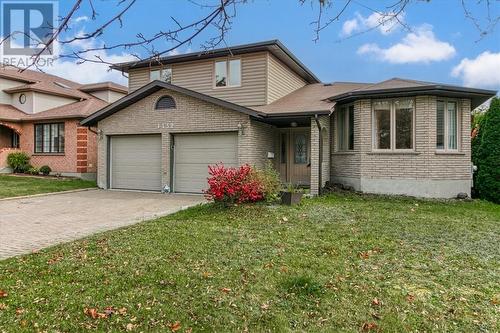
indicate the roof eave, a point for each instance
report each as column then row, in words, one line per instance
column 153, row 87
column 232, row 50
column 479, row 96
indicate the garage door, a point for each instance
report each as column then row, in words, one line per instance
column 136, row 162
column 193, row 154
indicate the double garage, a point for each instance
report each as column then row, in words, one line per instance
column 135, row 161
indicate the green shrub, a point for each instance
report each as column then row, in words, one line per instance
column 488, row 154
column 45, row 170
column 18, row 161
column 270, row 181
column 33, row 171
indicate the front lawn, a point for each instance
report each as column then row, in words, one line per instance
column 14, row 186
column 336, row 263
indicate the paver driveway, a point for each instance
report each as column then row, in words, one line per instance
column 33, row 223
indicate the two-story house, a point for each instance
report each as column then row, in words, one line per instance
column 40, row 114
column 257, row 102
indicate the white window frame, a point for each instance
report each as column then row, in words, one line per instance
column 160, row 70
column 446, row 126
column 392, row 108
column 228, row 73
column 345, row 110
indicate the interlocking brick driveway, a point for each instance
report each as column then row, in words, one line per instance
column 33, row 223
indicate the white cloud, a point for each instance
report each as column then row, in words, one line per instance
column 419, row 46
column 89, row 72
column 81, row 19
column 385, row 23
column 481, row 71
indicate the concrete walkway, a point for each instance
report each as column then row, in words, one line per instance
column 33, row 223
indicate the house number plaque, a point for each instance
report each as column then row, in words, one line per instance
column 166, row 125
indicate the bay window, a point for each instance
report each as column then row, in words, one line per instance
column 345, row 128
column 393, row 124
column 446, row 125
column 49, row 138
column 228, row 73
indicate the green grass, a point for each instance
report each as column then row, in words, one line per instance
column 15, row 186
column 335, row 263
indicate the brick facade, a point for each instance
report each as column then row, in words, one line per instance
column 191, row 115
column 79, row 157
column 424, row 172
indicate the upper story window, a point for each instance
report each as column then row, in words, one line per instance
column 345, row 128
column 393, row 123
column 164, row 74
column 446, row 125
column 165, row 102
column 228, row 73
column 49, row 138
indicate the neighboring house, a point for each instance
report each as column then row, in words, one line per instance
column 257, row 102
column 40, row 114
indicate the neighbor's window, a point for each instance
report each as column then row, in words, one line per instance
column 345, row 128
column 164, row 74
column 49, row 138
column 446, row 125
column 393, row 124
column 228, row 73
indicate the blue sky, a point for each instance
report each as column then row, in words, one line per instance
column 442, row 45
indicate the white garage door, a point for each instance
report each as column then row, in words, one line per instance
column 136, row 162
column 195, row 152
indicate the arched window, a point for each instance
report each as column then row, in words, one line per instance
column 165, row 102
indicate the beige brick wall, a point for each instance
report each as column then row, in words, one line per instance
column 315, row 153
column 191, row 115
column 425, row 163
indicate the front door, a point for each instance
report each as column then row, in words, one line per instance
column 295, row 167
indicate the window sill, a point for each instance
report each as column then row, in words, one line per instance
column 350, row 152
column 48, row 154
column 450, row 153
column 226, row 87
column 393, row 153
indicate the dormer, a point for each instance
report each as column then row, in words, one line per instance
column 248, row 75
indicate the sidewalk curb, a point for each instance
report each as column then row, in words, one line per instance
column 49, row 193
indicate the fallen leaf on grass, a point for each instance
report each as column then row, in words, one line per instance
column 369, row 326
column 130, row 327
column 3, row 293
column 207, row 275
column 375, row 302
column 19, row 311
column 225, row 290
column 264, row 306
column 94, row 314
column 285, row 219
column 175, row 326
column 410, row 298
column 3, row 306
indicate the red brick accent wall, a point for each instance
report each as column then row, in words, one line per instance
column 77, row 155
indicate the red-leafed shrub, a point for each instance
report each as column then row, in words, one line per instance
column 233, row 185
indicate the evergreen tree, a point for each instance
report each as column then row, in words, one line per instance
column 488, row 154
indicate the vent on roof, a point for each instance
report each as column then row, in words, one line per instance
column 62, row 85
column 327, row 84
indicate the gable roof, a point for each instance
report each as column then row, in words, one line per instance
column 84, row 103
column 404, row 87
column 52, row 84
column 155, row 86
column 275, row 47
column 312, row 99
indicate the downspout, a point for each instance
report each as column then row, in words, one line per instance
column 320, row 155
